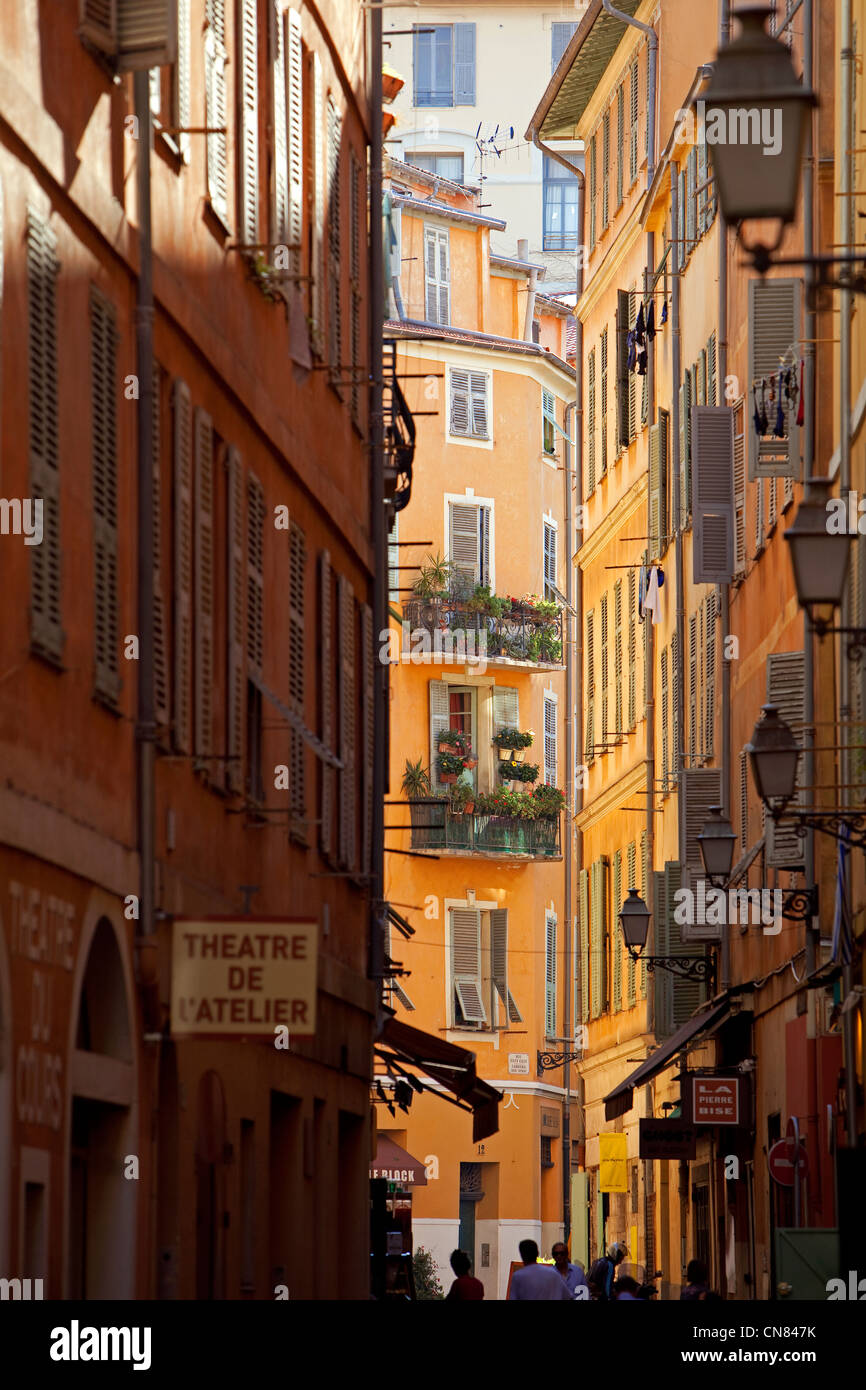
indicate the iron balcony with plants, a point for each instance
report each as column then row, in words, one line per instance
column 501, row 822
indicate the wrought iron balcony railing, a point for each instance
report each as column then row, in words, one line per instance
column 435, row 827
column 458, row 628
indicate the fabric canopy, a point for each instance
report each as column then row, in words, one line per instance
column 396, row 1165
column 620, row 1099
column 451, row 1066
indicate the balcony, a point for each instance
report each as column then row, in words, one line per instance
column 466, row 630
column 438, row 830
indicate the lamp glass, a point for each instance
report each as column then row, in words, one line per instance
column 773, row 754
column 717, row 841
column 757, row 155
column 634, row 920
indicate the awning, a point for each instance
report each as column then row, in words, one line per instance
column 620, row 1099
column 396, row 1165
column 452, row 1067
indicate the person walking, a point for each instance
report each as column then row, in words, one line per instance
column 535, row 1281
column 697, row 1280
column 601, row 1274
column 465, row 1287
column 572, row 1274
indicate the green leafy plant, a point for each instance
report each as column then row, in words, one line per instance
column 427, row 1286
column 517, row 805
column 548, row 801
column 514, row 738
column 449, row 763
column 518, row 772
column 547, row 608
column 455, row 738
column 435, row 575
column 462, row 798
column 544, row 645
column 416, row 780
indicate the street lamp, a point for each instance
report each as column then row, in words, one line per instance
column 773, row 754
column 763, row 117
column 634, row 920
column 717, row 841
column 819, row 556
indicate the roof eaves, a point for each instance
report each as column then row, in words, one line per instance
column 445, row 211
column 579, row 71
column 415, row 328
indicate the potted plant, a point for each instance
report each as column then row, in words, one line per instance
column 432, row 582
column 417, row 790
column 548, row 801
column 416, row 781
column 518, row 772
column 449, row 766
column 453, row 741
column 512, row 743
column 462, row 799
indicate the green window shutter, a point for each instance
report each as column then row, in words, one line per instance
column 701, row 191
column 632, row 649
column 646, row 894
column 603, row 411
column 676, row 677
column 550, row 975
column 43, row 267
column 665, row 718
column 629, row 959
column 619, row 727
column 590, row 425
column 466, row 963
column 616, row 942
column 713, row 494
column 596, row 940
column 687, row 995
column 633, row 122
column 605, row 671
column 440, row 721
column 786, row 689
column 203, row 594
column 686, row 449
column 235, row 674
column 774, row 333
column 104, row 340
column 589, row 749
column 701, row 789
column 710, row 675
column 693, row 689
column 583, row 954
column 622, row 372
column 681, row 219
column 297, row 673
column 655, row 501
column 506, row 707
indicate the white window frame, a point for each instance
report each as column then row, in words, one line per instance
column 470, row 441
column 490, row 1032
column 468, row 498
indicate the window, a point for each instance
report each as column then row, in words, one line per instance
column 255, row 539
column 444, row 166
column 452, row 707
column 288, row 135
column 620, row 135
column 468, row 406
column 334, row 297
column 437, row 275
column 603, row 402
column 550, row 974
column 46, row 631
column 605, row 170
column 633, row 121
column 479, row 968
column 394, row 560
column 297, row 672
column 593, row 187
column 548, row 426
column 590, row 425
column 203, row 590
column 589, row 751
column 104, row 340
column 550, row 739
column 560, row 206
column 444, row 65
column 550, row 567
column 560, row 37
column 617, row 658
column 347, row 626
column 216, row 107
column 546, row 1151
column 469, row 543
column 248, row 136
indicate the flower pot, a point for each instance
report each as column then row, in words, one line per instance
column 518, row 754
column 469, row 808
column 448, row 747
column 448, row 778
column 505, row 754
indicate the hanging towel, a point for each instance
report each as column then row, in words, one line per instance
column 651, row 321
column 802, row 397
column 779, row 430
column 765, row 419
column 641, row 361
column 652, row 598
column 640, row 327
column 757, row 415
column 641, row 592
column 632, row 352
column 664, row 317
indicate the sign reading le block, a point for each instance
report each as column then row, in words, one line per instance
column 667, row 1139
column 243, row 977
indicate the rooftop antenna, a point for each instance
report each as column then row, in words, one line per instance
column 486, row 145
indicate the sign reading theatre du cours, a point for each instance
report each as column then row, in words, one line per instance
column 243, row 976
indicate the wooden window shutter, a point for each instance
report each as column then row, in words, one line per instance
column 506, row 707
column 616, row 943
column 676, row 677
column 605, row 169
column 771, row 503
column 632, row 649
column 550, row 974
column 693, row 689
column 249, row 133
column 681, row 219
column 335, row 231
column 549, row 559
column 357, row 233
column 297, row 675
column 739, row 490
column 347, row 721
column 711, row 370
column 255, row 577
column 203, row 591
column 646, row 889
column 632, row 376
column 593, row 187
column 464, row 548
column 181, row 78
column 629, row 960
column 135, row 33
column 622, row 373
column 550, row 749
column 685, row 449
column 444, row 256
column 216, row 107
column 317, row 242
column 620, row 136
column 499, row 962
column 700, row 191
column 710, row 676
column 295, row 137
column 326, row 703
column 597, row 937
column 46, row 631
column 281, row 234
column 236, row 682
column 699, row 375
column 774, row 333
column 161, row 678
column 104, row 339
column 701, row 789
column 657, row 524
column 466, row 963
column 786, row 689
column 478, row 398
column 744, row 799
column 713, row 547
column 633, row 122
column 701, row 673
column 759, row 516
column 605, row 670
column 687, row 995
column 665, row 717
column 589, row 752
column 583, row 946
column 617, row 658
column 464, row 64
column 590, row 425
column 459, row 416
column 662, row 997
column 182, row 568
column 691, row 184
column 440, row 721
column 368, row 696
column 603, row 410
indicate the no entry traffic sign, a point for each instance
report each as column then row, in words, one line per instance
column 781, row 1164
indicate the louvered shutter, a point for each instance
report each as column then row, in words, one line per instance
column 605, row 169
column 590, row 425
column 560, row 38
column 774, row 334
column 691, row 181
column 593, row 187
column 368, row 696
column 346, row 668
column 710, row 676
column 317, row 242
column 280, row 186
column 617, row 658
column 478, row 397
column 665, row 716
column 182, row 568
column 633, row 377
column 583, row 949
column 235, row 674
column 437, row 275
column 444, row 262
column 699, row 376
column 711, row 370
column 646, row 894
column 464, row 540
column 357, row 206
column 605, row 671
column 701, row 789
column 598, row 938
column 693, row 689
column 458, row 416
column 633, row 121
column 335, row 231
column 255, row 577
column 688, row 995
column 662, row 994
column 297, row 674
column 249, row 114
column 466, row 962
column 295, row 136
column 440, row 721
column 326, row 704
column 622, row 374
column 203, row 590
column 603, row 410
column 744, row 799
column 616, row 943
column 506, row 707
column 464, row 64
column 550, row 974
column 216, row 107
column 686, row 449
column 681, row 219
column 590, row 687
column 632, row 649
column 550, row 750
column 620, row 136
column 161, row 682
column 676, row 677
column 104, row 339
column 499, row 961
column 701, row 192
column 713, row 548
column 739, row 490
column 786, row 689
column 550, row 565
column 655, row 491
column 701, row 685
column 138, row 34
column 46, row 632
column 629, row 959
column 181, row 78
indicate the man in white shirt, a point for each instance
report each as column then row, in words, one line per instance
column 535, row 1281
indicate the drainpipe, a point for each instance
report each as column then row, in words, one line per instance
column 145, row 729
column 523, row 255
column 725, row 589
column 652, row 67
column 809, row 353
column 678, row 694
column 377, row 514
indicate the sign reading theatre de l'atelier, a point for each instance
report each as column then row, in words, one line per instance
column 243, row 976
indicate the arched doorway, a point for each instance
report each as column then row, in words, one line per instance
column 210, row 1203
column 102, row 1130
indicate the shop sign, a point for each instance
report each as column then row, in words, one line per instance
column 518, row 1064
column 243, row 977
column 667, row 1139
column 716, row 1100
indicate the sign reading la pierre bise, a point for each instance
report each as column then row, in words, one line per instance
column 243, row 976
